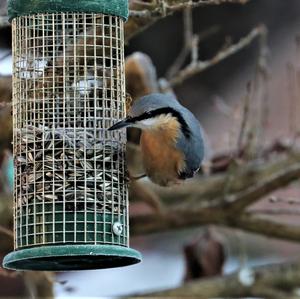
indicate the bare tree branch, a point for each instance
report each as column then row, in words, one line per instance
column 143, row 14
column 208, row 191
column 184, row 219
column 275, row 281
column 168, row 7
column 258, row 225
column 198, row 67
column 240, row 201
column 203, row 202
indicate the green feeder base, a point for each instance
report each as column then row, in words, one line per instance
column 71, row 257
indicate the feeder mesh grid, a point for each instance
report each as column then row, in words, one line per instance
column 68, row 88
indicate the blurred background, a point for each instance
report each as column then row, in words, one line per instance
column 217, row 97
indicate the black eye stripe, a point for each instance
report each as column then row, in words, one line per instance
column 165, row 110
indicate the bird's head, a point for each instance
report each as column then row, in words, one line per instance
column 155, row 111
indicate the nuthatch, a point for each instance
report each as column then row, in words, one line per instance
column 171, row 140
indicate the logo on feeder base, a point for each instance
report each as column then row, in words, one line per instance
column 117, row 228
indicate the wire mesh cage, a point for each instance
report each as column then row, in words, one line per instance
column 71, row 199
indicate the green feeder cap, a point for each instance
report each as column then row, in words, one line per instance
column 18, row 8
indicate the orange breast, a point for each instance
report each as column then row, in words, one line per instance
column 162, row 161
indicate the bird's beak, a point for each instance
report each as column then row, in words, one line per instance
column 121, row 124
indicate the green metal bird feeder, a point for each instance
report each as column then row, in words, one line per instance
column 70, row 194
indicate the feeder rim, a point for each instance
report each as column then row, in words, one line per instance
column 17, row 8
column 71, row 257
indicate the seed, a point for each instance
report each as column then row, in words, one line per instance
column 50, row 196
column 58, row 161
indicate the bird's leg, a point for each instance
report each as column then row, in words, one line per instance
column 135, row 178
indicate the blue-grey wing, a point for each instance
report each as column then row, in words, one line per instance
column 192, row 146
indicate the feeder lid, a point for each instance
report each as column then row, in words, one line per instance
column 18, row 8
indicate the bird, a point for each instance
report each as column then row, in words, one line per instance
column 171, row 141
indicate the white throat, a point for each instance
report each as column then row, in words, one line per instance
column 155, row 122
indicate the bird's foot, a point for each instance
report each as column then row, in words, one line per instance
column 138, row 177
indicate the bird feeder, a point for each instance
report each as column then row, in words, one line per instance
column 70, row 192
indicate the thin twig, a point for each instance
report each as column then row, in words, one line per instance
column 171, row 8
column 263, row 70
column 190, row 46
column 278, row 211
column 259, row 107
column 142, row 3
column 199, row 3
column 188, row 35
column 6, row 231
column 245, row 117
column 141, row 18
column 291, row 80
column 196, row 68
